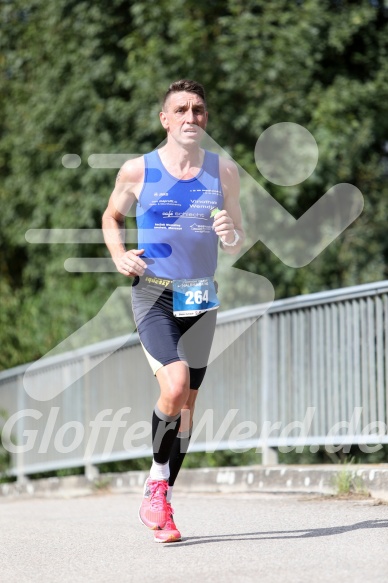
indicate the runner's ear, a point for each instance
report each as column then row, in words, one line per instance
column 163, row 120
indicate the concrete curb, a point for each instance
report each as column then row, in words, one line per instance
column 372, row 479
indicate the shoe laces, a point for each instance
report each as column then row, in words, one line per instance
column 158, row 489
column 170, row 524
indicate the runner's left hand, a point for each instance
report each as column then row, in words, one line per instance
column 223, row 226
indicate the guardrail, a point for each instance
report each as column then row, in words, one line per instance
column 310, row 371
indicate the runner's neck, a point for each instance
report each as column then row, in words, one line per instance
column 181, row 163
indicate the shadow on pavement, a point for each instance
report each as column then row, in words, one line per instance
column 282, row 534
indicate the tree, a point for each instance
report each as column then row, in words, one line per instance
column 84, row 77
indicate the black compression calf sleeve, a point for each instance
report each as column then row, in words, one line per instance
column 178, row 452
column 164, row 432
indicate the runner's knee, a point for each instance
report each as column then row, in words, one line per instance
column 176, row 393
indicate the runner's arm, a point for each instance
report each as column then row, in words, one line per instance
column 128, row 263
column 229, row 220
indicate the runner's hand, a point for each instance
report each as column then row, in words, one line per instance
column 130, row 264
column 223, row 226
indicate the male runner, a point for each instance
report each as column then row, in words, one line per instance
column 187, row 201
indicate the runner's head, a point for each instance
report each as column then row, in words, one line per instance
column 187, row 85
column 184, row 115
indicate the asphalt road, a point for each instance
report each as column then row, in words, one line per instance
column 235, row 538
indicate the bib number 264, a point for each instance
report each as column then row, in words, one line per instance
column 194, row 296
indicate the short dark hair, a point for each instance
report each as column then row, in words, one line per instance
column 185, row 85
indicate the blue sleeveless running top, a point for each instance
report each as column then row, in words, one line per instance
column 174, row 222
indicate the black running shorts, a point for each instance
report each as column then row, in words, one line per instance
column 166, row 338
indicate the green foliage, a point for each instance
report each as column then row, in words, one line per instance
column 102, row 484
column 346, row 482
column 86, row 77
column 133, row 465
column 57, row 473
column 343, row 482
column 353, row 454
column 221, row 459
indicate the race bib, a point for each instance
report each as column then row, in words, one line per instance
column 192, row 297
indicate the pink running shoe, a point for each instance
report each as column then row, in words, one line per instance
column 170, row 533
column 154, row 510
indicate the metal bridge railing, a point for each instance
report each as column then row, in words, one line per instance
column 310, row 371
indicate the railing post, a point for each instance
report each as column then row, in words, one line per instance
column 19, row 457
column 269, row 455
column 91, row 471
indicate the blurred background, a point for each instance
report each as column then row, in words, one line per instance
column 85, row 78
column 82, row 77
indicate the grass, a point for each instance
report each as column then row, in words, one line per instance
column 347, row 483
column 102, row 484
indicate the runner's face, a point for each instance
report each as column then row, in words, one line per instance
column 184, row 117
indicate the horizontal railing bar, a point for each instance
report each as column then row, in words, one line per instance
column 95, row 349
column 249, row 444
column 254, row 311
